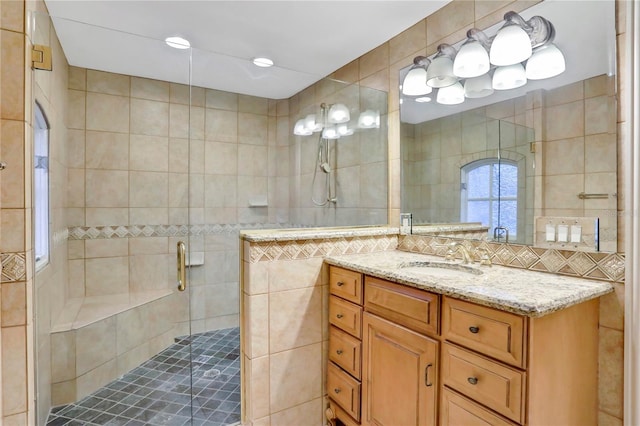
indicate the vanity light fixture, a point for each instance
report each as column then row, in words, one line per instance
column 177, row 42
column 520, row 50
column 262, row 62
column 338, row 113
column 333, row 121
column 369, row 119
column 415, row 82
column 300, row 129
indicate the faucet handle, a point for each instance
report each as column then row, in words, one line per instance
column 483, row 255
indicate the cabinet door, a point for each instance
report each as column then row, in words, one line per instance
column 399, row 375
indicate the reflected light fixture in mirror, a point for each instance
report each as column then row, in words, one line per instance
column 333, row 121
column 503, row 55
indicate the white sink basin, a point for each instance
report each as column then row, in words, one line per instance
column 440, row 269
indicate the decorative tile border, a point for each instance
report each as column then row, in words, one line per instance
column 14, row 267
column 305, row 249
column 128, row 231
column 599, row 266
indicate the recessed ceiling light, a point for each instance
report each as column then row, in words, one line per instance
column 177, row 42
column 262, row 62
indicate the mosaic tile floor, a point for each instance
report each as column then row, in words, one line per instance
column 159, row 392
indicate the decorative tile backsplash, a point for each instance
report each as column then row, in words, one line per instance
column 13, row 267
column 599, row 266
column 127, row 231
column 304, row 249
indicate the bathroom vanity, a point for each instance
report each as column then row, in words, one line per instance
column 416, row 340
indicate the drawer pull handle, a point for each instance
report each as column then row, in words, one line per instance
column 339, row 316
column 472, row 380
column 426, row 375
column 337, row 390
column 339, row 351
column 474, row 329
column 340, row 283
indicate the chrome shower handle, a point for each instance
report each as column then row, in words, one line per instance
column 182, row 271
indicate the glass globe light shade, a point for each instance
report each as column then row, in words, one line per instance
column 510, row 46
column 338, row 113
column 344, row 129
column 300, row 129
column 471, row 61
column 415, row 82
column 478, row 87
column 546, row 62
column 369, row 119
column 440, row 72
column 311, row 124
column 451, row 95
column 509, row 77
column 330, row 132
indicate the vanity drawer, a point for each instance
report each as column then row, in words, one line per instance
column 345, row 351
column 456, row 410
column 488, row 382
column 344, row 390
column 416, row 309
column 346, row 316
column 495, row 333
column 346, row 284
column 334, row 412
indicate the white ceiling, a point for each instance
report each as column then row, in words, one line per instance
column 308, row 40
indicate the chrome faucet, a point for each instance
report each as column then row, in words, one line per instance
column 458, row 247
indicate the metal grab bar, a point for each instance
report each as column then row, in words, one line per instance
column 182, row 270
column 585, row 196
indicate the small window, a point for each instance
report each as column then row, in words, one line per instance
column 489, row 194
column 41, row 188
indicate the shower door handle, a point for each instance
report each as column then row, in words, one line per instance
column 182, row 272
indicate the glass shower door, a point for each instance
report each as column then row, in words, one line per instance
column 113, row 333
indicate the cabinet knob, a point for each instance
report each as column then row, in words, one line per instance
column 339, row 351
column 340, row 283
column 337, row 390
column 472, row 380
column 474, row 329
column 339, row 316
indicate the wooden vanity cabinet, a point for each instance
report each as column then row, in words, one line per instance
column 405, row 356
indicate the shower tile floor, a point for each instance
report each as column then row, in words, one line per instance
column 159, row 392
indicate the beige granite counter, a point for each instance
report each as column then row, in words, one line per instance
column 520, row 291
column 297, row 234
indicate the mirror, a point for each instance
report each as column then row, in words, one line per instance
column 521, row 159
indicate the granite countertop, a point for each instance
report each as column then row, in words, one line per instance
column 520, row 291
column 291, row 234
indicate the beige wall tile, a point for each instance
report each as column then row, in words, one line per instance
column 149, row 153
column 598, row 86
column 610, row 373
column 133, row 358
column 148, row 245
column 178, row 121
column 75, row 187
column 14, row 304
column 107, row 188
column 308, row 413
column 597, row 115
column 106, row 248
column 565, row 94
column 374, row 61
column 252, row 129
column 257, row 327
column 63, row 356
column 148, row 189
column 221, row 126
column 450, row 18
column 149, row 117
column 145, row 88
column 96, row 378
column 107, row 113
column 95, row 345
column 295, row 318
column 20, row 419
column 14, row 370
column 106, row 216
column 295, row 377
column 13, row 154
column 605, row 419
column 63, row 393
column 221, row 100
column 107, row 150
column 565, row 121
column 12, row 75
column 108, row 83
column 256, row 277
column 259, row 387
column 75, row 148
column 349, row 73
column 77, row 78
column 612, row 308
column 109, row 275
column 294, row 274
column 13, row 230
column 600, row 153
column 131, row 330
column 149, row 272
column 408, row 42
column 253, row 104
column 12, row 17
column 565, row 156
column 76, row 111
column 221, row 158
